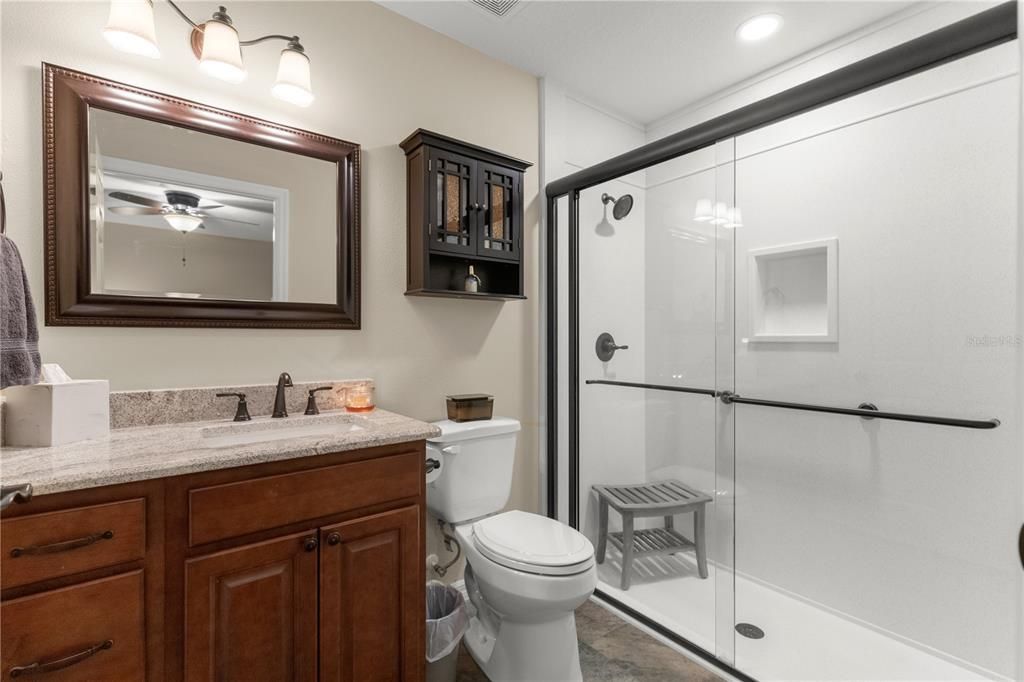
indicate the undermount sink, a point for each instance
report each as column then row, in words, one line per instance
column 266, row 430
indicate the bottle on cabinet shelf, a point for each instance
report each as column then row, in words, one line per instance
column 472, row 283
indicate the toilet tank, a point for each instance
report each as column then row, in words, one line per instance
column 475, row 477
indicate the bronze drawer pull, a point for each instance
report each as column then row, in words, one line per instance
column 62, row 546
column 38, row 668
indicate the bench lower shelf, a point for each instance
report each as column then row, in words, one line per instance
column 654, row 542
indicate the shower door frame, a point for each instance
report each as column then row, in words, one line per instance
column 974, row 34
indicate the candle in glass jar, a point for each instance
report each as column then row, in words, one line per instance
column 359, row 399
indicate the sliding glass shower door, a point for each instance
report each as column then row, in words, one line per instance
column 795, row 404
column 655, row 342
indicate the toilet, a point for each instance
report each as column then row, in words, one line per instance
column 525, row 573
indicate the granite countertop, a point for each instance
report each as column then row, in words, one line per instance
column 148, row 452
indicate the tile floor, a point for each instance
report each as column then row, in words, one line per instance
column 612, row 650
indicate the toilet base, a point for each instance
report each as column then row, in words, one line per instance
column 527, row 652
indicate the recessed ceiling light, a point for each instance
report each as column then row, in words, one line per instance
column 759, row 27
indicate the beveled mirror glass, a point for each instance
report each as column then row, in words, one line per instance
column 170, row 213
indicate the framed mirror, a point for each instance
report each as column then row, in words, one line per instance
column 164, row 212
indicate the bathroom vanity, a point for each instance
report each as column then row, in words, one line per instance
column 220, row 551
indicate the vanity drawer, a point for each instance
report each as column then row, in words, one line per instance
column 44, row 546
column 234, row 509
column 87, row 632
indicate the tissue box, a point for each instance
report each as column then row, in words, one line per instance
column 54, row 414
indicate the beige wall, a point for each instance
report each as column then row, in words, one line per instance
column 377, row 77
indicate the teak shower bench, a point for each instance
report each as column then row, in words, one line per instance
column 645, row 500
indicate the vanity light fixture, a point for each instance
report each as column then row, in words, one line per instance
column 215, row 43
column 759, row 27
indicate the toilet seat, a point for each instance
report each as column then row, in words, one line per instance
column 533, row 543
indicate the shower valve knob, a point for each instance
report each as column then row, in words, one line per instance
column 605, row 347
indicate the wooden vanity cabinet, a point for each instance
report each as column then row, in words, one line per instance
column 320, row 576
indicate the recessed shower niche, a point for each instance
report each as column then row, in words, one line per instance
column 793, row 292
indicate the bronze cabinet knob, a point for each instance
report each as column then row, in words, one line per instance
column 310, row 544
column 333, row 539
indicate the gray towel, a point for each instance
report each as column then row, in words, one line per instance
column 19, row 335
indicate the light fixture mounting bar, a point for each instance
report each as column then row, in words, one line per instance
column 273, row 36
column 197, row 41
column 181, row 13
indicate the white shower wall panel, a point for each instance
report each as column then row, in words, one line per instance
column 910, row 526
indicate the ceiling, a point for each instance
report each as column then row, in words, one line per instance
column 642, row 60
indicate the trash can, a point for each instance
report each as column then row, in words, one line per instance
column 447, row 621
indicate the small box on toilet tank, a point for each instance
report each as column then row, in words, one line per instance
column 42, row 415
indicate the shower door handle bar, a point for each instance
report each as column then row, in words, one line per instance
column 656, row 387
column 730, row 398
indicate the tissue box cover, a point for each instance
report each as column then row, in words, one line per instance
column 54, row 414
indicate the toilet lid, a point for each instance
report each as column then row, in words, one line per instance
column 533, row 543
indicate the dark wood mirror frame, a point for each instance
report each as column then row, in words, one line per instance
column 67, row 97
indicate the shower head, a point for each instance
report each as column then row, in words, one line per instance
column 623, row 205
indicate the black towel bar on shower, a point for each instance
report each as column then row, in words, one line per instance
column 730, row 398
column 656, row 387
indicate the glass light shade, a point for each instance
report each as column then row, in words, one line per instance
column 183, row 222
column 703, row 213
column 222, row 55
column 130, row 27
column 293, row 83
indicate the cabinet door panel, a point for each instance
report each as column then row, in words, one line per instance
column 251, row 612
column 500, row 192
column 452, row 219
column 371, row 599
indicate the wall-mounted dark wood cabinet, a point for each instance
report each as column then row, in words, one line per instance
column 465, row 207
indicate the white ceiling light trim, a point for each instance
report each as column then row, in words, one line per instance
column 759, row 27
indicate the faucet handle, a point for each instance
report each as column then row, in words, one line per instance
column 311, row 406
column 242, row 413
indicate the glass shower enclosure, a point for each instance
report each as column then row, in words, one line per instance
column 787, row 376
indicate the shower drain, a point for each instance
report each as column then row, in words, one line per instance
column 749, row 630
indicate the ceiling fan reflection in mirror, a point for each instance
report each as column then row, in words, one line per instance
column 180, row 209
